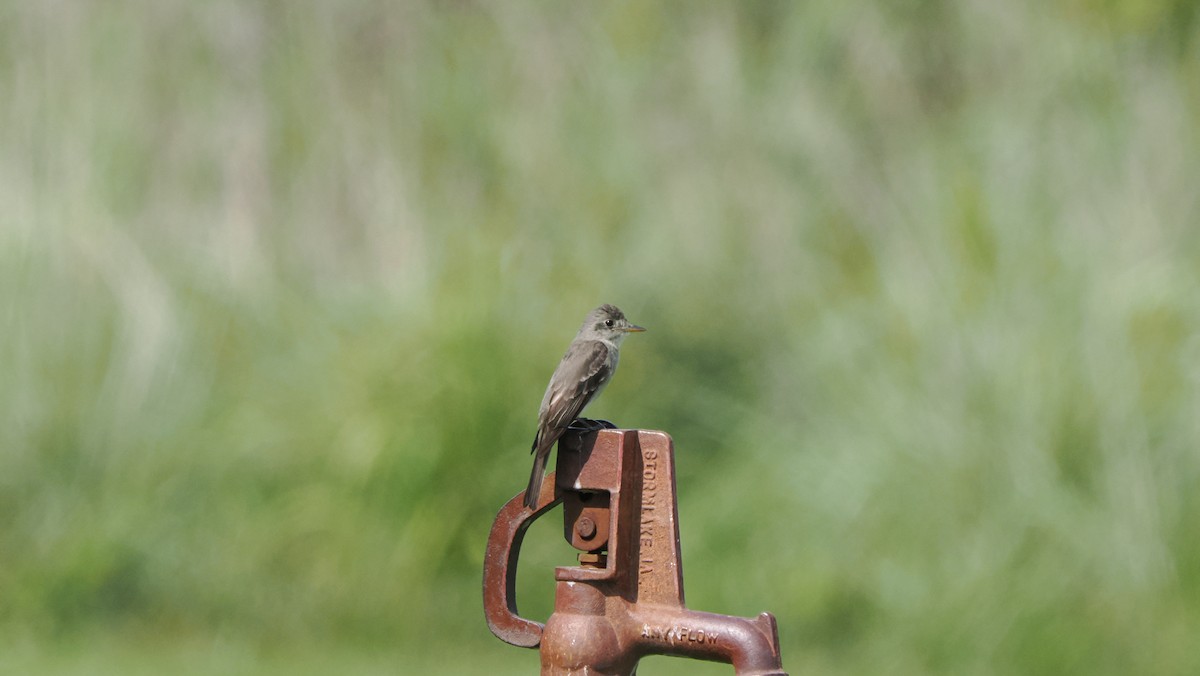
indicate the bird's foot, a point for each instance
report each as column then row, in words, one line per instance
column 585, row 425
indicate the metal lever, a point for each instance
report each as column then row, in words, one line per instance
column 625, row 600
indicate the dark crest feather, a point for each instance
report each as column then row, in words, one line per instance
column 610, row 310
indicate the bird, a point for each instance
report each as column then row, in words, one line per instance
column 585, row 369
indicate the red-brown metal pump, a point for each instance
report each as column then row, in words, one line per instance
column 625, row 599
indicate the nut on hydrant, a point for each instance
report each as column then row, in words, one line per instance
column 586, row 528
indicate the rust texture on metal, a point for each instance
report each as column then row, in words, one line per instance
column 625, row 599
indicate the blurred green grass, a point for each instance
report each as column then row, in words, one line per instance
column 282, row 284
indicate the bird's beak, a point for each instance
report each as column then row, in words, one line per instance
column 633, row 328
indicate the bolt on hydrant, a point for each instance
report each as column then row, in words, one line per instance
column 624, row 600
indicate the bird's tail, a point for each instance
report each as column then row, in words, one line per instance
column 535, row 479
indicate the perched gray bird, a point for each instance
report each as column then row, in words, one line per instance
column 585, row 369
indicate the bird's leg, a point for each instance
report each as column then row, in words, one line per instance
column 586, row 425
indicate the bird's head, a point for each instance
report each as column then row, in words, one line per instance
column 607, row 323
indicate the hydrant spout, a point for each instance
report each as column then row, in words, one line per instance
column 750, row 645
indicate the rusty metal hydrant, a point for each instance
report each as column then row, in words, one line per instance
column 625, row 599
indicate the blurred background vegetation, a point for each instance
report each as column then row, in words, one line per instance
column 282, row 283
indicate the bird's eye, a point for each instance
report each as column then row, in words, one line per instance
column 608, row 323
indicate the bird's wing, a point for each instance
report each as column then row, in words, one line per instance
column 573, row 389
